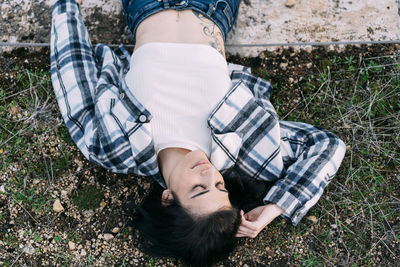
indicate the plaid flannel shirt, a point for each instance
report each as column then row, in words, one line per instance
column 112, row 128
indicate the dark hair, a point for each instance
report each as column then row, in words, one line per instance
column 198, row 240
column 173, row 232
column 245, row 192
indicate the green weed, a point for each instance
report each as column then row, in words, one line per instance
column 87, row 197
column 57, row 239
column 312, row 261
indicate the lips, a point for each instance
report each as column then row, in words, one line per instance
column 200, row 162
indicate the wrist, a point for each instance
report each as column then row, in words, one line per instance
column 274, row 209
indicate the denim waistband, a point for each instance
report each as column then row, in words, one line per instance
column 222, row 12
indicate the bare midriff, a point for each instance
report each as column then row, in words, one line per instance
column 185, row 26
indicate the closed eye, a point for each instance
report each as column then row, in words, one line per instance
column 199, row 185
column 206, row 191
column 221, row 189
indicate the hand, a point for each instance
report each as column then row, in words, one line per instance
column 79, row 2
column 257, row 219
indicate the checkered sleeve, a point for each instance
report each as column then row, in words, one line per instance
column 73, row 71
column 311, row 157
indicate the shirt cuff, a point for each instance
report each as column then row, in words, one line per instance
column 65, row 6
column 294, row 211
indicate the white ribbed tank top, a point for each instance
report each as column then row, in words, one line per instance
column 180, row 84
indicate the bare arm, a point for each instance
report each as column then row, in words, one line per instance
column 257, row 219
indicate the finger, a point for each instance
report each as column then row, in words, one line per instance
column 249, row 225
column 249, row 231
column 242, row 233
column 250, row 216
column 246, row 232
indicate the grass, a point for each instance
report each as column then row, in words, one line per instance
column 355, row 95
column 359, row 98
column 87, row 197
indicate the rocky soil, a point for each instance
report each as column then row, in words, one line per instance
column 57, row 209
column 259, row 22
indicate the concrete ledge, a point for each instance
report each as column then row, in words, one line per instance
column 260, row 21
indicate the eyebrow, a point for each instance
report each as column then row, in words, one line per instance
column 206, row 191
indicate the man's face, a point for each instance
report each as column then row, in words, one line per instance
column 198, row 185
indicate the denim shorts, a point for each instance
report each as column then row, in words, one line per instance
column 222, row 12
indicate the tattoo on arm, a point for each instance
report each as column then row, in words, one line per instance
column 216, row 38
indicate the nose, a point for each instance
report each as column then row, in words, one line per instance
column 207, row 172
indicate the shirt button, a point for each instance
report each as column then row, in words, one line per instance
column 121, row 96
column 142, row 118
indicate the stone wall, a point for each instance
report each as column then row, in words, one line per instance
column 260, row 21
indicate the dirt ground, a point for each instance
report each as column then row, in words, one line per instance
column 354, row 93
column 259, row 21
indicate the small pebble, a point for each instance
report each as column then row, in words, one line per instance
column 71, row 245
column 88, row 213
column 29, row 250
column 64, row 193
column 290, row 3
column 108, row 237
column 115, row 230
column 312, row 219
column 14, row 110
column 79, row 163
column 57, row 207
column 103, row 204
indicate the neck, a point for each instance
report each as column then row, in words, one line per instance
column 168, row 159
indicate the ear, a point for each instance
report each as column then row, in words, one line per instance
column 166, row 198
